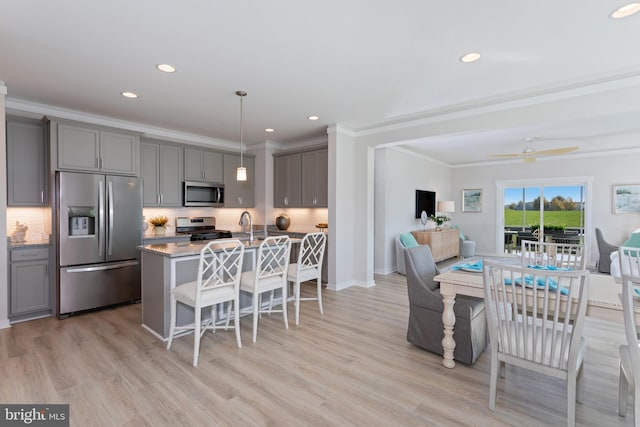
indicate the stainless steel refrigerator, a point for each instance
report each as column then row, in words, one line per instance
column 98, row 230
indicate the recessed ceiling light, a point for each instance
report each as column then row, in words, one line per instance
column 129, row 95
column 313, row 117
column 269, row 130
column 470, row 57
column 626, row 10
column 166, row 68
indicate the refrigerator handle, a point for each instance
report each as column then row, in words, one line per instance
column 102, row 267
column 101, row 228
column 110, row 207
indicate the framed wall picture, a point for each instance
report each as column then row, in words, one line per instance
column 626, row 198
column 472, row 200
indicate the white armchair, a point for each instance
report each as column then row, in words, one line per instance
column 467, row 247
column 400, row 257
column 404, row 241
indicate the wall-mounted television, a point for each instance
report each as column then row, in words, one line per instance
column 425, row 201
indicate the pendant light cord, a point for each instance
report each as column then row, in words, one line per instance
column 241, row 129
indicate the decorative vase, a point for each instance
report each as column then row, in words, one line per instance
column 159, row 230
column 283, row 221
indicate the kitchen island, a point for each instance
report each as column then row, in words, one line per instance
column 166, row 265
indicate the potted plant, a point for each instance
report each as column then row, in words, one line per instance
column 440, row 220
column 159, row 225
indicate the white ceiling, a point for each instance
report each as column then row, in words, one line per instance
column 357, row 63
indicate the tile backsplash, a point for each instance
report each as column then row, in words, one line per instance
column 37, row 219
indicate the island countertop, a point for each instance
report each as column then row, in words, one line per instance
column 166, row 265
column 183, row 249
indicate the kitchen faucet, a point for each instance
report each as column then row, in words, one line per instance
column 243, row 223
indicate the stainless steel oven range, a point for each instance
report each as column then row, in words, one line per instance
column 201, row 228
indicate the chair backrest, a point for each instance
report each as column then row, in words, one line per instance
column 273, row 257
column 555, row 254
column 312, row 251
column 629, row 286
column 604, row 247
column 421, row 269
column 629, row 260
column 535, row 316
column 220, row 266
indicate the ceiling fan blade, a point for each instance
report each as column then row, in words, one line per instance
column 509, row 155
column 555, row 151
column 529, row 159
column 529, row 156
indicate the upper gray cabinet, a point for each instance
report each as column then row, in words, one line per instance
column 201, row 165
column 96, row 150
column 238, row 194
column 26, row 164
column 286, row 181
column 315, row 175
column 300, row 179
column 161, row 172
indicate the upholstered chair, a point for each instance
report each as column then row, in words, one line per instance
column 467, row 247
column 604, row 250
column 425, row 311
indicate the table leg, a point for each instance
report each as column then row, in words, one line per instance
column 449, row 321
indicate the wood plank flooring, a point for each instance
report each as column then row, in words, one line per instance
column 351, row 366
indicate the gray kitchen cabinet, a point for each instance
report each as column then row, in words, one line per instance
column 161, row 172
column 286, row 174
column 29, row 286
column 26, row 164
column 96, row 150
column 238, row 194
column 314, row 179
column 201, row 165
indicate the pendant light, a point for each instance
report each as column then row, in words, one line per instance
column 241, row 172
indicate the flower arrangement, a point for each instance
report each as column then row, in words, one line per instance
column 440, row 219
column 159, row 221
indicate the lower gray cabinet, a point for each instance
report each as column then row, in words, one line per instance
column 29, row 286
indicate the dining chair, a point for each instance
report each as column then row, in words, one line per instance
column 629, row 259
column 270, row 274
column 563, row 255
column 535, row 319
column 425, row 327
column 630, row 352
column 218, row 281
column 604, row 251
column 308, row 267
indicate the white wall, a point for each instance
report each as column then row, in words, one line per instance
column 346, row 223
column 606, row 171
column 398, row 174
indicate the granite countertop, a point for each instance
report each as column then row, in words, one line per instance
column 37, row 242
column 184, row 249
column 301, row 229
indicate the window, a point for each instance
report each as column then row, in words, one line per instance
column 552, row 210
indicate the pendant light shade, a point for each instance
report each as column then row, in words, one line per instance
column 241, row 172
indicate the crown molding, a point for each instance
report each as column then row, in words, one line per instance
column 145, row 130
column 533, row 96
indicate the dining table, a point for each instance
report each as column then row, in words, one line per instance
column 604, row 301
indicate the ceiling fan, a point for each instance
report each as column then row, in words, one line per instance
column 529, row 154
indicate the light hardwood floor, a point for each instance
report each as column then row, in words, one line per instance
column 350, row 367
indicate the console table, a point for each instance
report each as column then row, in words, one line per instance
column 443, row 244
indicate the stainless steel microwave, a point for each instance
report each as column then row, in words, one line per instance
column 203, row 194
